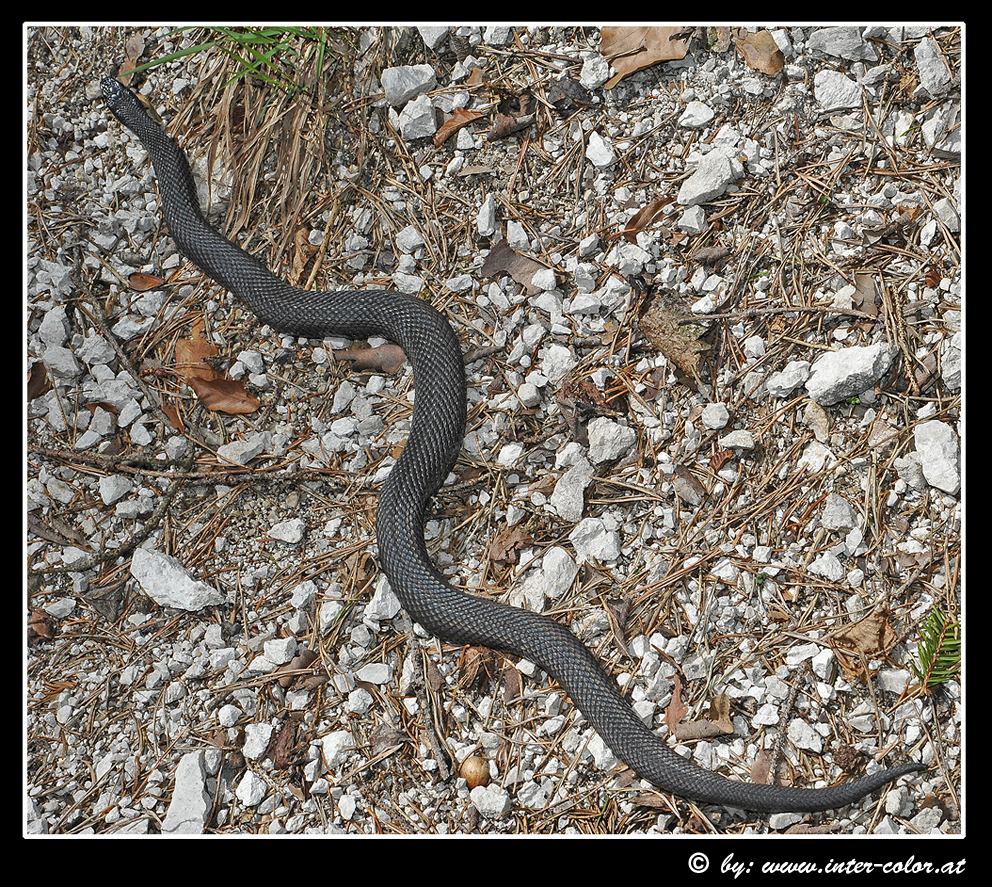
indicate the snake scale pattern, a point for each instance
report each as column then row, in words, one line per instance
column 435, row 439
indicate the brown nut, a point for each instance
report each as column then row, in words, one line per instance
column 475, row 771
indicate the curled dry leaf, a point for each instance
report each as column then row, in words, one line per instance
column 865, row 296
column 386, row 358
column 506, row 125
column 701, row 729
column 479, row 667
column 644, row 217
column 459, row 118
column 676, row 707
column 133, row 49
column 141, row 282
column 302, row 254
column 512, row 685
column 302, row 660
column 719, row 459
column 715, row 722
column 719, row 713
column 850, row 760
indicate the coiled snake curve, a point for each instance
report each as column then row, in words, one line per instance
column 438, row 425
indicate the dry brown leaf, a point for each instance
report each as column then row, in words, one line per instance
column 479, row 666
column 385, row 737
column 512, row 685
column 644, row 217
column 212, row 388
column 709, row 255
column 865, row 293
column 687, row 487
column 141, row 282
column 224, row 396
column 506, row 125
column 302, row 254
column 459, row 118
column 693, row 730
column 504, row 259
column 761, row 52
column 134, row 46
column 630, row 49
column 861, row 642
column 676, row 707
column 681, row 343
column 652, row 801
column 761, row 769
column 719, row 459
column 850, row 760
column 508, row 542
column 173, row 415
column 38, row 381
column 304, row 659
column 193, row 354
column 805, row 828
column 475, row 169
column 719, row 713
column 41, row 627
column 714, row 722
column 869, row 636
column 386, row 358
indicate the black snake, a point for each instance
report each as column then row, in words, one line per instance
column 438, row 425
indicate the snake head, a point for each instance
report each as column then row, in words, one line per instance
column 112, row 88
column 129, row 108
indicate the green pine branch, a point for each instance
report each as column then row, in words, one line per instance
column 938, row 650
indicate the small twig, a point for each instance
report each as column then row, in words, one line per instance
column 109, row 554
column 784, row 309
column 427, row 719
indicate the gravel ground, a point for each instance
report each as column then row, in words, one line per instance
column 651, row 271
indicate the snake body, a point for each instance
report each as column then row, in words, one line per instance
column 438, row 424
